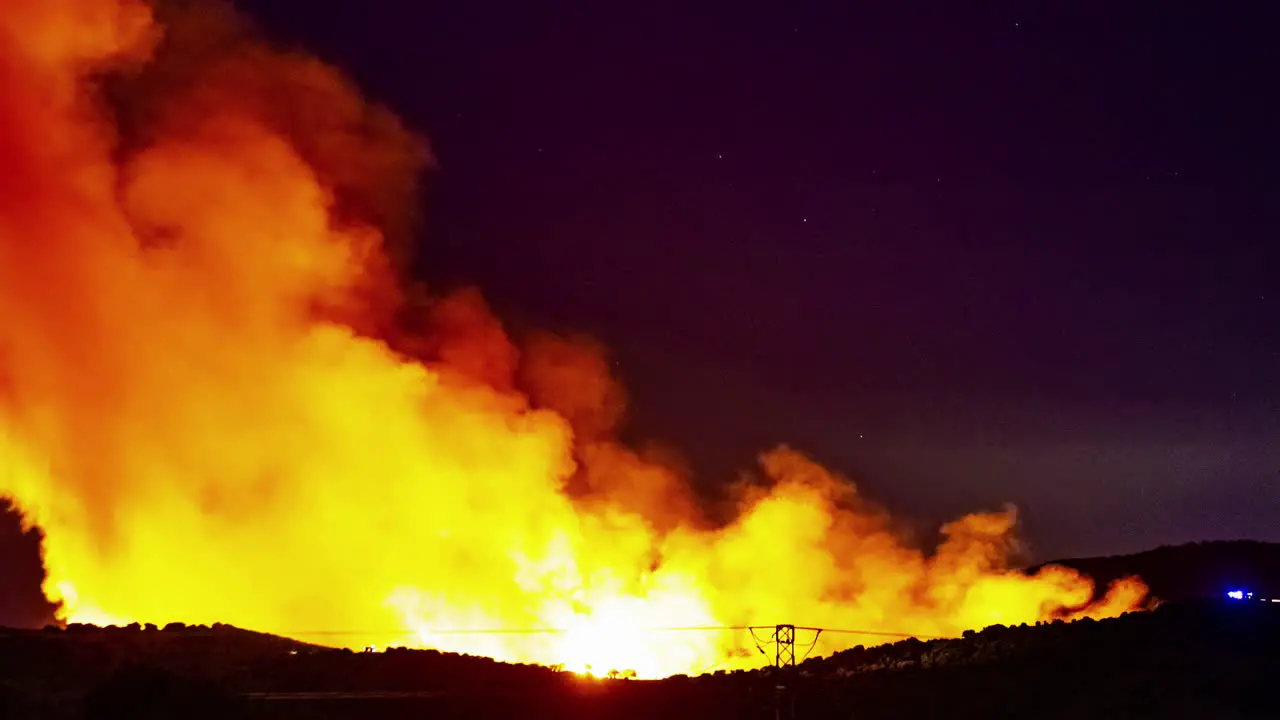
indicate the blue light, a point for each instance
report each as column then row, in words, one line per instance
column 1236, row 594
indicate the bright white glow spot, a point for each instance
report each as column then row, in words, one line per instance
column 1236, row 595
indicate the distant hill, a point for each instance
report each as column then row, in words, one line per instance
column 1194, row 570
column 1212, row 659
column 138, row 672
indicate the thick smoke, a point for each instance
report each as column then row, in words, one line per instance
column 219, row 405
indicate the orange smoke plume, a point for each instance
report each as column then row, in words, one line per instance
column 219, row 406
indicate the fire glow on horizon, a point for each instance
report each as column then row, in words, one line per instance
column 219, row 404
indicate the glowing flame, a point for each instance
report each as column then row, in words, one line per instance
column 219, row 406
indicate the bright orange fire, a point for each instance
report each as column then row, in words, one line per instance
column 218, row 407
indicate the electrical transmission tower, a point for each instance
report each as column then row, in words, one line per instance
column 784, row 638
column 784, row 661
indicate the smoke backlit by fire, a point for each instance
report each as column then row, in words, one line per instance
column 219, row 407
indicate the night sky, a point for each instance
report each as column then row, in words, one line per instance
column 1019, row 255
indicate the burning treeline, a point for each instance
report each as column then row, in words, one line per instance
column 219, row 404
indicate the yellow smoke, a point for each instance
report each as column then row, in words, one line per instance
column 219, row 406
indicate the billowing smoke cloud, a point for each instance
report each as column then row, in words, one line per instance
column 219, row 405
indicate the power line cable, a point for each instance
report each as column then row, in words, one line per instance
column 816, row 635
column 511, row 631
column 877, row 633
column 408, row 633
column 759, row 645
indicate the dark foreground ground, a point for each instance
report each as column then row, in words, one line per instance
column 1202, row 659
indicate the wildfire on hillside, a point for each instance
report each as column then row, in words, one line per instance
column 219, row 405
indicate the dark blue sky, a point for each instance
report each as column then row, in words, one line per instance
column 1024, row 254
column 1021, row 254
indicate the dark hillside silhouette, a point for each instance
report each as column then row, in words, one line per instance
column 21, row 573
column 1194, row 570
column 1194, row 659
